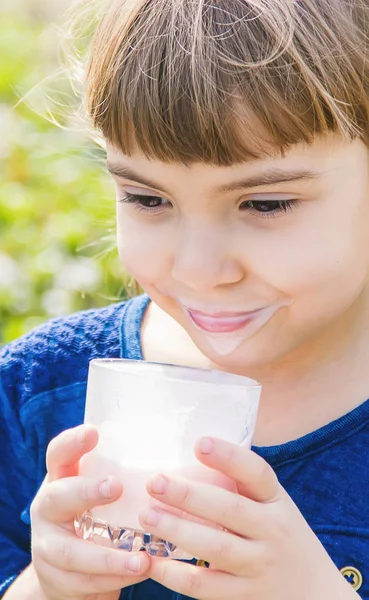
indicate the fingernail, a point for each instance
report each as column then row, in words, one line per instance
column 81, row 436
column 152, row 517
column 134, row 563
column 105, row 489
column 206, row 446
column 158, row 484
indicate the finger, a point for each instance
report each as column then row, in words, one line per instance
column 67, row 552
column 64, row 451
column 195, row 582
column 60, row 501
column 76, row 585
column 256, row 479
column 223, row 550
column 210, row 503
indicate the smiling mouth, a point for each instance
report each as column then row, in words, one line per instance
column 222, row 322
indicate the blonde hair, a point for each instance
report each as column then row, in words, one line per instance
column 221, row 82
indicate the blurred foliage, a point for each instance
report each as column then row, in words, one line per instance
column 57, row 209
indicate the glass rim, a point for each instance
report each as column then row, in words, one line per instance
column 219, row 378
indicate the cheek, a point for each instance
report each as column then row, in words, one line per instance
column 143, row 250
column 319, row 263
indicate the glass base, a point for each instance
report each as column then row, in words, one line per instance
column 99, row 532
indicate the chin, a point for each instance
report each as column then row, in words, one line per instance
column 244, row 360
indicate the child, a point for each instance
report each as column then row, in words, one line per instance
column 238, row 136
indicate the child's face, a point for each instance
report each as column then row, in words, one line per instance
column 223, row 250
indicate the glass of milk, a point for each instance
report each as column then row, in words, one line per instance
column 149, row 417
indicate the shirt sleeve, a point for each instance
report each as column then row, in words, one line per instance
column 43, row 378
column 16, row 491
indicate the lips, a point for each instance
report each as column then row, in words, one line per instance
column 221, row 322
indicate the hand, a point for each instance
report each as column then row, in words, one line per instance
column 265, row 549
column 69, row 568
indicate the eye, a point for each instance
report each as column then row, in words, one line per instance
column 149, row 204
column 269, row 208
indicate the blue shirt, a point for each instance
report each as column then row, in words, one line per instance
column 42, row 392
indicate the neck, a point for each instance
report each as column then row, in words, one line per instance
column 318, row 382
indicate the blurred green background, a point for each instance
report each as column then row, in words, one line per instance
column 57, row 237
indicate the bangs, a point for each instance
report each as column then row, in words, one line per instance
column 190, row 81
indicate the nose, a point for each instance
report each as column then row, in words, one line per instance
column 203, row 258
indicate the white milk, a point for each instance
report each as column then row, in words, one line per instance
column 122, row 452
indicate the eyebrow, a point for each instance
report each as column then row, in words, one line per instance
column 270, row 177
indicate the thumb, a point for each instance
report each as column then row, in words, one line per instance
column 65, row 451
column 255, row 478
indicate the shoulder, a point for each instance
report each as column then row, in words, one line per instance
column 57, row 353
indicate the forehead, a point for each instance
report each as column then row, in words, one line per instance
column 302, row 161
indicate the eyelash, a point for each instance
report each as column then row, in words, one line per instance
column 281, row 206
column 137, row 200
